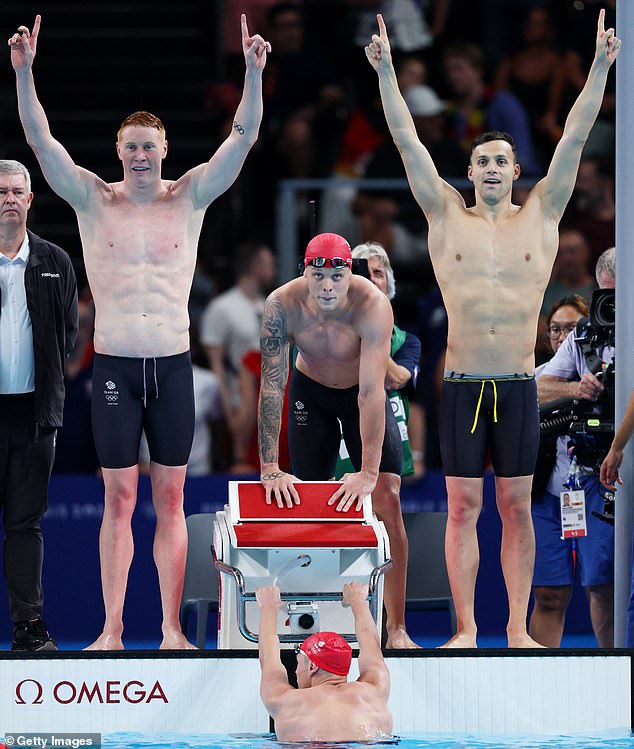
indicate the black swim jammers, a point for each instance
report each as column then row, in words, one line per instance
column 131, row 395
column 314, row 435
column 499, row 412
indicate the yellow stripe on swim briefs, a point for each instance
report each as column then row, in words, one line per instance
column 495, row 404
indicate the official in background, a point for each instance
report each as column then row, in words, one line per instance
column 38, row 328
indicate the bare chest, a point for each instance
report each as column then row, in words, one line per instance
column 326, row 343
column 513, row 254
column 123, row 234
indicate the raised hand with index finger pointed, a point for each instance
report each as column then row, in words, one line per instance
column 23, row 45
column 255, row 48
column 378, row 51
column 608, row 44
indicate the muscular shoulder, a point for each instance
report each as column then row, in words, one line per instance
column 289, row 296
column 371, row 306
column 365, row 294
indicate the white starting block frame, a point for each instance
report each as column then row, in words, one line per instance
column 310, row 551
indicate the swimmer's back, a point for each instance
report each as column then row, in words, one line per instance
column 352, row 711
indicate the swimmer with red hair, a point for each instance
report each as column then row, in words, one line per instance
column 326, row 707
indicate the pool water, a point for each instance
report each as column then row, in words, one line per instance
column 608, row 740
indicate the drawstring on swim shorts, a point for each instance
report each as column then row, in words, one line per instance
column 145, row 382
column 495, row 404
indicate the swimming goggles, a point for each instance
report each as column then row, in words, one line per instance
column 333, row 262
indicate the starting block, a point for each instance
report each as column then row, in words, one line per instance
column 309, row 551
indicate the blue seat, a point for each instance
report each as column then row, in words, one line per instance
column 427, row 582
column 200, row 591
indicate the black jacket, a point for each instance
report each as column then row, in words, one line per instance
column 51, row 298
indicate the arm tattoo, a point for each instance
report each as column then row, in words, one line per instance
column 238, row 127
column 274, row 347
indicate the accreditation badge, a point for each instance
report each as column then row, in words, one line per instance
column 573, row 513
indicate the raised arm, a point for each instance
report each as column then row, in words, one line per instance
column 212, row 179
column 274, row 681
column 68, row 180
column 557, row 186
column 427, row 186
column 372, row 668
column 376, row 332
column 274, row 347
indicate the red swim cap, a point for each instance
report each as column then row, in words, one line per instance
column 329, row 651
column 328, row 246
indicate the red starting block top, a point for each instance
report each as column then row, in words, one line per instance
column 303, row 535
column 247, row 504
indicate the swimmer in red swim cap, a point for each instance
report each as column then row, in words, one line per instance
column 326, row 707
column 328, row 250
column 329, row 651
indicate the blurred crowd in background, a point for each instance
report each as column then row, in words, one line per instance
column 464, row 67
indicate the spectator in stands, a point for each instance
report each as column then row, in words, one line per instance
column 535, row 74
column 230, row 325
column 301, row 97
column 570, row 276
column 477, row 108
column 580, row 30
column 570, row 271
column 591, row 209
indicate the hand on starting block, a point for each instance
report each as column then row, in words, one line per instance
column 269, row 597
column 354, row 486
column 354, row 592
column 279, row 484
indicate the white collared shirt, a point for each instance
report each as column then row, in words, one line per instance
column 17, row 366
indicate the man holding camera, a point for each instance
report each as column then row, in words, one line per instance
column 568, row 375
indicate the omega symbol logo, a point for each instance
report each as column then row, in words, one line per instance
column 37, row 699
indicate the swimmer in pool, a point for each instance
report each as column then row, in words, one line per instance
column 326, row 707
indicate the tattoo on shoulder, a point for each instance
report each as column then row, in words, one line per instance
column 238, row 127
column 274, row 330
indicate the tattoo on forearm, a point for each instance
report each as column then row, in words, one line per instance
column 269, row 422
column 238, row 127
column 274, row 345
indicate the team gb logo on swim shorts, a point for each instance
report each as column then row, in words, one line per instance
column 111, row 393
column 301, row 414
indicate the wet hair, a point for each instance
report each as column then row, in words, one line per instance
column 374, row 249
column 9, row 166
column 493, row 135
column 574, row 300
column 141, row 119
column 606, row 263
column 466, row 51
